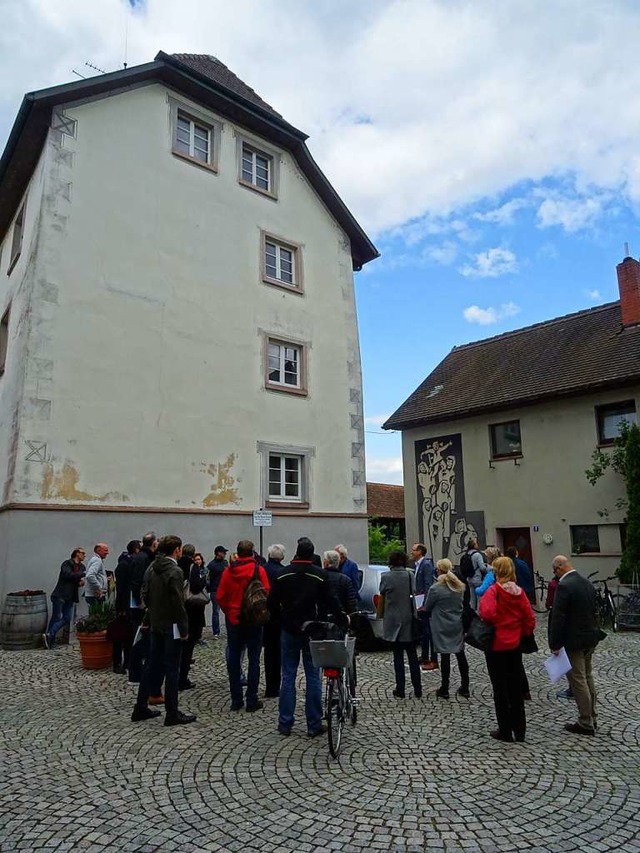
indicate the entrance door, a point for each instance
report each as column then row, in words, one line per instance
column 517, row 537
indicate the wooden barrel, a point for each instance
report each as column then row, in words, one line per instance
column 95, row 650
column 23, row 621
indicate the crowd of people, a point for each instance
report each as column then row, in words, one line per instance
column 161, row 589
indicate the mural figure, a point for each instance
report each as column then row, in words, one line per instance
column 445, row 524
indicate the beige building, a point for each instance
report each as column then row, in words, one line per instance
column 497, row 438
column 179, row 342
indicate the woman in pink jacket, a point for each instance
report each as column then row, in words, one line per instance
column 505, row 606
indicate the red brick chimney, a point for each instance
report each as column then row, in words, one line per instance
column 629, row 287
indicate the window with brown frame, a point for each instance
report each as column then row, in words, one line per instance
column 286, row 366
column 281, row 263
column 611, row 417
column 506, row 441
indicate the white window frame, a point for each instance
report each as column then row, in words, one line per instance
column 296, row 285
column 304, row 456
column 186, row 112
column 300, row 388
column 273, row 159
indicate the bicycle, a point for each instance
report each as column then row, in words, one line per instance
column 540, row 587
column 607, row 611
column 335, row 658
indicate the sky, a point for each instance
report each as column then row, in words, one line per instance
column 489, row 148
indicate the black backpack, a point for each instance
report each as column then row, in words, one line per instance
column 467, row 569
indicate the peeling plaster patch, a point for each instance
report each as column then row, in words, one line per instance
column 223, row 489
column 63, row 484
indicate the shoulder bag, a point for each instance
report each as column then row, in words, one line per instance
column 480, row 634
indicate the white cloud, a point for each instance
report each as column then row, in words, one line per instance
column 376, row 420
column 384, row 469
column 491, row 264
column 488, row 316
column 415, row 108
column 572, row 214
column 503, row 215
column 444, row 254
column 594, row 295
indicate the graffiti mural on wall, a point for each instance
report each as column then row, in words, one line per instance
column 445, row 524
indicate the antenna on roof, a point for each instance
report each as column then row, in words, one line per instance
column 73, row 71
column 95, row 67
column 626, row 250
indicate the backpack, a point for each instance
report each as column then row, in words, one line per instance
column 253, row 608
column 467, row 569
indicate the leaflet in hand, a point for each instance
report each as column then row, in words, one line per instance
column 419, row 600
column 557, row 665
column 176, row 631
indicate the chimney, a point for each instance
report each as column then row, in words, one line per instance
column 629, row 287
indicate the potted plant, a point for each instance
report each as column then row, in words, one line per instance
column 91, row 630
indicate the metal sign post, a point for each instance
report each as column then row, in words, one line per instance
column 262, row 518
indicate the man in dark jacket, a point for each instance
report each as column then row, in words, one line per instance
column 574, row 625
column 271, row 631
column 425, row 574
column 215, row 568
column 121, row 631
column 524, row 576
column 163, row 592
column 301, row 593
column 139, row 565
column 341, row 584
column 65, row 595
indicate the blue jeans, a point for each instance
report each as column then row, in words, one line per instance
column 238, row 638
column 215, row 617
column 164, row 657
column 291, row 646
column 61, row 615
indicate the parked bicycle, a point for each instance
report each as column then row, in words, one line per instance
column 540, row 586
column 607, row 610
column 334, row 654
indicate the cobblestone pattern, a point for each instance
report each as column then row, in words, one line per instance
column 76, row 774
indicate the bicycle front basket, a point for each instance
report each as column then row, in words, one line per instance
column 333, row 653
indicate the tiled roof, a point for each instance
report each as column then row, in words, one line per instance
column 385, row 501
column 565, row 356
column 218, row 72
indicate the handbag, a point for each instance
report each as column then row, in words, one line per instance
column 528, row 644
column 480, row 634
column 195, row 599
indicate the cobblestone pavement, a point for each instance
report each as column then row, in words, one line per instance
column 414, row 775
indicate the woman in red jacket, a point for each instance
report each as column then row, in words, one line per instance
column 505, row 606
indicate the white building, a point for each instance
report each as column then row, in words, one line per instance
column 179, row 342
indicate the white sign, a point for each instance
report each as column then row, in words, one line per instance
column 262, row 518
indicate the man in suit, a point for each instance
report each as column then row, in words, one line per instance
column 574, row 625
column 425, row 574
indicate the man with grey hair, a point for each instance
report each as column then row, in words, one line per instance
column 96, row 578
column 271, row 632
column 349, row 568
column 574, row 625
column 339, row 582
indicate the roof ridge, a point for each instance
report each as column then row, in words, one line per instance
column 525, row 329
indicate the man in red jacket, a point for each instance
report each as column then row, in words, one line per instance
column 233, row 583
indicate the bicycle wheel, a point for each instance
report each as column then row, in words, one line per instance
column 351, row 709
column 335, row 716
column 613, row 612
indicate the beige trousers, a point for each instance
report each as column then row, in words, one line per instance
column 584, row 691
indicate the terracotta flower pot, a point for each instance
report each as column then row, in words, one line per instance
column 95, row 650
